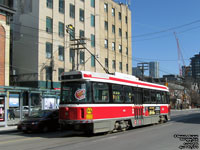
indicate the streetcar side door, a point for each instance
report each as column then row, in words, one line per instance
column 138, row 107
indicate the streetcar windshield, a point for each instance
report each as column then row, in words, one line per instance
column 75, row 92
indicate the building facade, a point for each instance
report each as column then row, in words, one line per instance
column 154, row 69
column 6, row 12
column 186, row 71
column 195, row 63
column 136, row 72
column 43, row 49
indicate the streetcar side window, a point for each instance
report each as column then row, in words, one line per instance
column 153, row 97
column 101, row 92
column 158, row 98
column 164, row 99
column 146, row 98
column 128, row 94
column 117, row 93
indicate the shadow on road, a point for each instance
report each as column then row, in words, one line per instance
column 188, row 119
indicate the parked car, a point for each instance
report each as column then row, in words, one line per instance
column 43, row 121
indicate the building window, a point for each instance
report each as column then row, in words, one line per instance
column 113, row 46
column 82, row 0
column 113, row 29
column 61, row 6
column 72, row 11
column 48, row 73
column 48, row 50
column 61, row 53
column 50, row 3
column 120, row 65
column 120, row 16
column 106, row 43
column 126, row 35
column 92, row 40
column 61, row 29
column 49, row 25
column 82, row 57
column 113, row 64
column 106, row 62
column 81, row 15
column 82, row 36
column 113, row 11
column 93, row 61
column 60, row 71
column 126, row 19
column 92, row 20
column 126, row 67
column 120, row 32
column 105, row 7
column 71, row 54
column 120, row 48
column 126, row 50
column 92, row 3
column 106, row 25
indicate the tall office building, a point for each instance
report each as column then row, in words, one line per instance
column 187, row 71
column 154, row 69
column 195, row 63
column 6, row 13
column 43, row 49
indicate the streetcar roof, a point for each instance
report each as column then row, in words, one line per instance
column 116, row 78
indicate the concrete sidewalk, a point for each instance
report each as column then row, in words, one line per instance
column 8, row 129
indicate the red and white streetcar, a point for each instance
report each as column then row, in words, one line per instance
column 97, row 102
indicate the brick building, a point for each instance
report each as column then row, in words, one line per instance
column 6, row 12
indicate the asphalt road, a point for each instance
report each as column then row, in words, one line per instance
column 155, row 137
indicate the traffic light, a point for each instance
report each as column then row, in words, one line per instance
column 69, row 28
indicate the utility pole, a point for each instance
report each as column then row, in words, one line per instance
column 70, row 30
column 143, row 66
column 77, row 47
column 52, row 69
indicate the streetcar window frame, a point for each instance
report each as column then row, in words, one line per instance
column 153, row 99
column 159, row 97
column 117, row 91
column 103, row 100
column 164, row 98
column 146, row 96
column 128, row 94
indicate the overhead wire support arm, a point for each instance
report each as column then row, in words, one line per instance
column 71, row 28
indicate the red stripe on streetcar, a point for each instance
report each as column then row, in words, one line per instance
column 87, row 76
column 134, row 82
column 126, row 81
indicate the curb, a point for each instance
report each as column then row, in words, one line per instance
column 8, row 131
column 5, row 130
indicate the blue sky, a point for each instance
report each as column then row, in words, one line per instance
column 161, row 18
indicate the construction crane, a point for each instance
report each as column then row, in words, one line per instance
column 180, row 56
